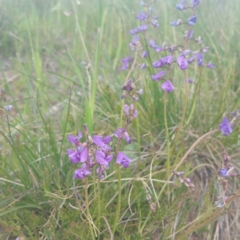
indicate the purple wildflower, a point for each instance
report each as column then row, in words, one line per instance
column 176, row 23
column 130, row 111
column 152, row 44
column 102, row 142
column 103, row 158
column 126, row 62
column 155, row 23
column 143, row 65
column 78, row 155
column 144, row 54
column 182, row 62
column 142, row 16
column 122, row 133
column 181, row 5
column 158, row 76
column 190, row 80
column 167, row 86
column 192, row 20
column 200, row 59
column 123, row 160
column 195, row 3
column 75, row 140
column 134, row 31
column 210, row 65
column 81, row 173
column 143, row 28
column 128, row 86
column 225, row 127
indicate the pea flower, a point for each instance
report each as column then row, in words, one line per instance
column 158, row 76
column 81, row 173
column 167, row 86
column 103, row 158
column 192, row 20
column 122, row 133
column 126, row 62
column 75, row 140
column 200, row 59
column 182, row 62
column 142, row 16
column 123, row 159
column 225, row 127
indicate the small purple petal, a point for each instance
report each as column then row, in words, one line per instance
column 167, row 86
column 225, row 127
column 123, row 160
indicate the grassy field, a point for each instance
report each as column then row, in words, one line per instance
column 60, row 64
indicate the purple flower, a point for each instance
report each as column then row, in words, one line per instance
column 195, row 3
column 143, row 28
column 143, row 65
column 122, row 133
column 225, row 172
column 81, row 173
column 78, row 155
column 134, row 31
column 128, row 86
column 192, row 20
column 167, row 86
column 167, row 60
column 181, row 5
column 144, row 54
column 102, row 142
column 75, row 140
column 142, row 16
column 123, row 160
column 200, row 59
column 191, row 59
column 182, row 62
column 176, row 23
column 225, row 127
column 8, row 108
column 103, row 158
column 152, row 44
column 157, row 64
column 210, row 65
column 158, row 76
column 190, row 80
column 130, row 111
column 155, row 23
column 126, row 62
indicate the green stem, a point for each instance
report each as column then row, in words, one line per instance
column 119, row 199
column 99, row 208
column 87, row 208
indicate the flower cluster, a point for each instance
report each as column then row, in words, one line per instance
column 186, row 181
column 96, row 151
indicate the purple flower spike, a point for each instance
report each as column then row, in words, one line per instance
column 182, row 62
column 192, row 20
column 167, row 86
column 158, row 76
column 142, row 16
column 75, row 140
column 128, row 86
column 225, row 127
column 144, row 54
column 81, row 173
column 123, row 160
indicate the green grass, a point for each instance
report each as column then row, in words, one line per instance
column 60, row 72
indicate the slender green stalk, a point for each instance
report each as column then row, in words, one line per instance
column 99, row 206
column 119, row 199
column 87, row 207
